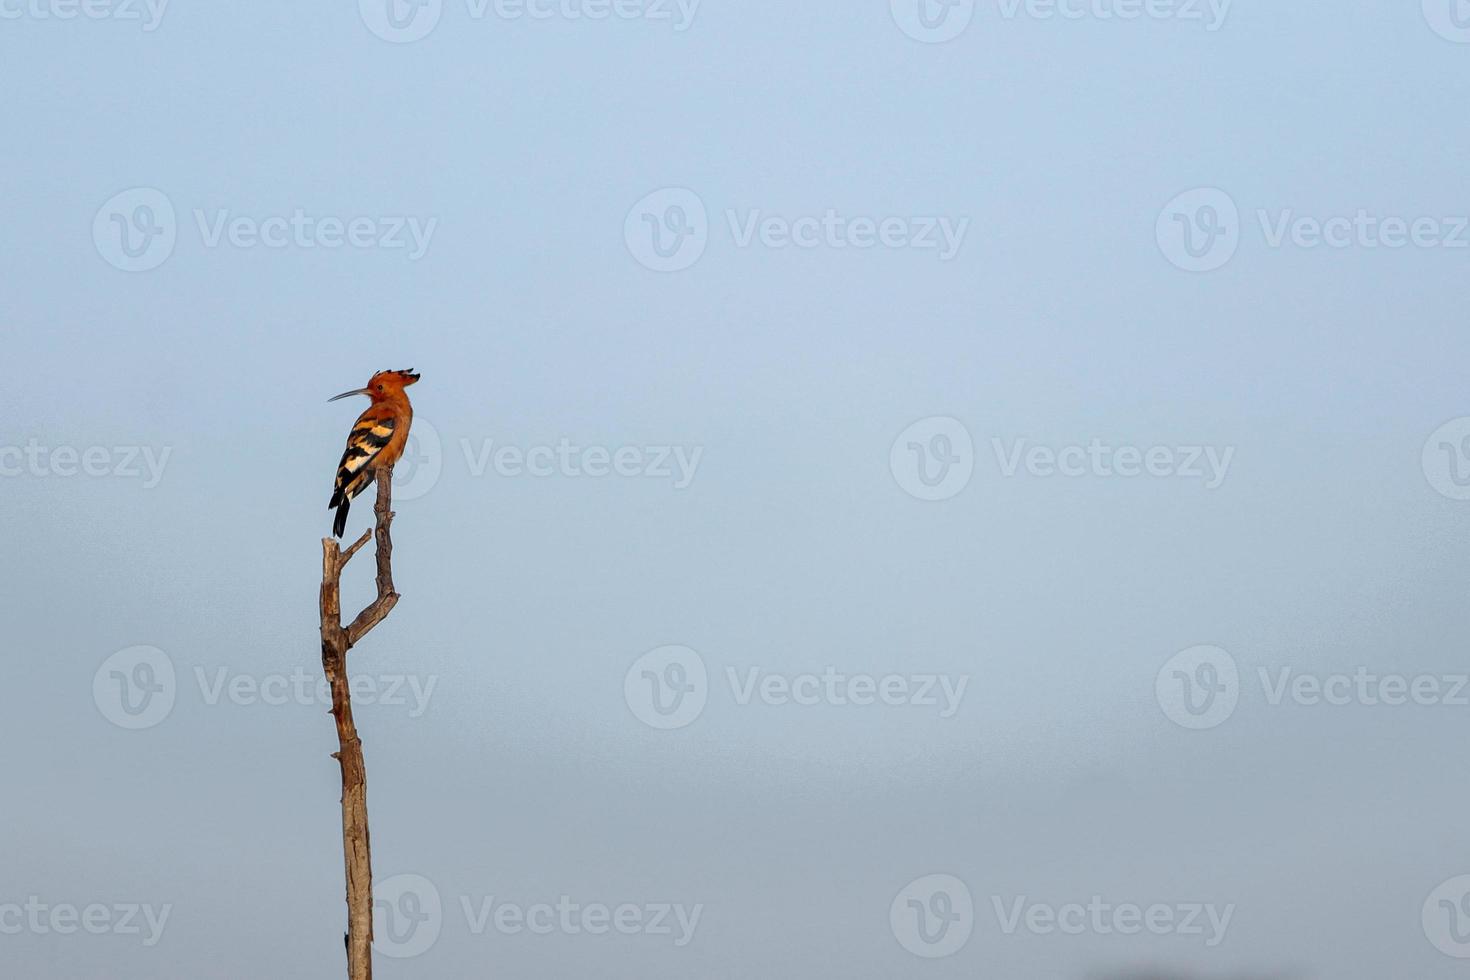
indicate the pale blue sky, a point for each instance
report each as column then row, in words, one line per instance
column 519, row 149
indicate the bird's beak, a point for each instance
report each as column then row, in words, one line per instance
column 348, row 394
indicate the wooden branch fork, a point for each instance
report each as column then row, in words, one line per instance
column 336, row 641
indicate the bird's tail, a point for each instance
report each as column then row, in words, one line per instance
column 342, row 496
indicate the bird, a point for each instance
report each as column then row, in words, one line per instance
column 377, row 439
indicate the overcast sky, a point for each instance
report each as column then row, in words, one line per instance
column 949, row 491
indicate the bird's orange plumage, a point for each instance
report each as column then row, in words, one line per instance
column 377, row 440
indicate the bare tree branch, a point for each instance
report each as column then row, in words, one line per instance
column 336, row 641
column 357, row 545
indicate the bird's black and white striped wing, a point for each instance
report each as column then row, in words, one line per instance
column 369, row 437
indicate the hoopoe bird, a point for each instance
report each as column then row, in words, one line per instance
column 377, row 439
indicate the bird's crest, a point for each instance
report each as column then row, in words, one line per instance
column 400, row 379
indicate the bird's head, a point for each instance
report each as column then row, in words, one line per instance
column 383, row 385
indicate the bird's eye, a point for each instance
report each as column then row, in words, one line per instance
column 380, row 387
